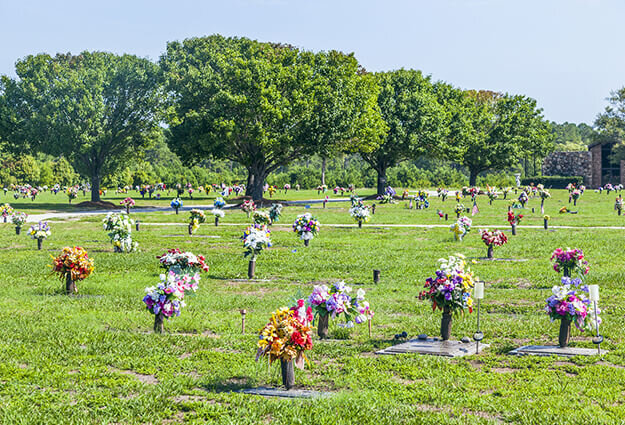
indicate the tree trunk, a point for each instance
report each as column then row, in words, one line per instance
column 256, row 180
column 381, row 180
column 473, row 177
column 95, row 188
column 323, row 170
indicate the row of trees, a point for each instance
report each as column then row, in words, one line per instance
column 262, row 105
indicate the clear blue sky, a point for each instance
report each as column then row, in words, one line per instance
column 567, row 54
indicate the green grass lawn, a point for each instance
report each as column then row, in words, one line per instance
column 92, row 358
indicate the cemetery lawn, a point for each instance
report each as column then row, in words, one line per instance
column 93, row 359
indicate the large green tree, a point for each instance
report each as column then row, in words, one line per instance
column 416, row 121
column 501, row 129
column 610, row 124
column 264, row 105
column 96, row 109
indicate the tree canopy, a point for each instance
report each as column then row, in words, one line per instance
column 96, row 109
column 501, row 129
column 265, row 105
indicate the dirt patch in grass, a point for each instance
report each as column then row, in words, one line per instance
column 485, row 415
column 185, row 398
column 146, row 379
column 98, row 205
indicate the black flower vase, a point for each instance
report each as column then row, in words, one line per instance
column 446, row 324
column 70, row 285
column 322, row 326
column 565, row 332
column 306, row 242
column 567, row 272
column 18, row 230
column 288, row 373
column 489, row 252
column 39, row 243
column 360, row 224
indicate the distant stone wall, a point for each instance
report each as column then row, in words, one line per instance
column 568, row 164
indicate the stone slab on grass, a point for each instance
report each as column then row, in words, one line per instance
column 434, row 347
column 550, row 350
column 283, row 393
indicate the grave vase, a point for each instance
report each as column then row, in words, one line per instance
column 565, row 332
column 216, row 221
column 70, row 285
column 322, row 326
column 288, row 374
column 176, row 208
column 159, row 320
column 567, row 272
column 190, row 229
column 546, row 223
column 127, row 209
column 574, row 202
column 4, row 217
column 251, row 268
column 18, row 230
column 39, row 243
column 446, row 324
column 360, row 224
column 489, row 252
column 306, row 242
column 514, row 229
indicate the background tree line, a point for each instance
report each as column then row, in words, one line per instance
column 219, row 109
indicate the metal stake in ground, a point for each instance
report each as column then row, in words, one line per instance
column 478, row 293
column 243, row 312
column 593, row 295
column 137, row 225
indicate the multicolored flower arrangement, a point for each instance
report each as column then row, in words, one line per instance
column 72, row 193
column 442, row 193
column 176, row 204
column 523, row 198
column 73, row 261
column 167, row 297
column 219, row 203
column 459, row 209
column 335, row 300
column 360, row 212
column 492, row 194
column 39, row 231
column 248, row 207
column 286, row 336
column 255, row 239
column 119, row 226
column 261, row 217
column 306, row 226
column 6, row 210
column 450, row 289
column 275, row 212
column 564, row 210
column 544, row 193
column 128, row 203
column 461, row 227
column 19, row 218
column 570, row 260
column 182, row 262
column 513, row 218
column 494, row 238
column 575, row 194
column 570, row 300
column 196, row 218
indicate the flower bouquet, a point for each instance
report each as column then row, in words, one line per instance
column 176, row 204
column 196, row 218
column 275, row 212
column 261, row 217
column 73, row 264
column 569, row 303
column 546, row 219
column 492, row 239
column 219, row 203
column 335, row 301
column 248, row 207
column 608, row 188
column 72, row 193
column 287, row 187
column 39, row 231
column 505, row 191
column 119, row 226
column 459, row 209
column 523, row 198
column 492, row 194
column 165, row 300
column 514, row 219
column 286, row 337
column 575, row 196
column 18, row 219
column 128, row 203
column 570, row 260
column 6, row 210
column 442, row 193
column 618, row 205
column 182, row 262
column 360, row 213
column 255, row 239
column 450, row 290
column 461, row 227
column 306, row 226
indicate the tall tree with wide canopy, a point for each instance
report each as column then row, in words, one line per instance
column 611, row 124
column 416, row 121
column 502, row 128
column 264, row 105
column 96, row 109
